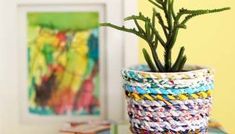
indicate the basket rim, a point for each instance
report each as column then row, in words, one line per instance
column 198, row 69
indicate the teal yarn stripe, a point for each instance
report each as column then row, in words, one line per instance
column 172, row 91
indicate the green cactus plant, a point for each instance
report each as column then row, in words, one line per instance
column 169, row 23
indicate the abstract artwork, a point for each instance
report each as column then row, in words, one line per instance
column 63, row 63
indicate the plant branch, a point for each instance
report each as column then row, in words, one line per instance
column 148, row 60
column 155, row 4
column 178, row 60
column 156, row 59
column 182, row 63
column 123, row 28
column 147, row 21
column 139, row 28
column 194, row 13
column 161, row 22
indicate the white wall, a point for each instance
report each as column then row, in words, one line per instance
column 9, row 75
column 9, row 108
column 1, row 55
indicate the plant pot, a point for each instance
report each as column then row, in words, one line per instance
column 172, row 103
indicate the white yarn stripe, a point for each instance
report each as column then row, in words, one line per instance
column 173, row 76
column 148, row 103
column 192, row 83
column 153, row 113
column 171, row 124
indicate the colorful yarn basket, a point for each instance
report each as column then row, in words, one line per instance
column 168, row 103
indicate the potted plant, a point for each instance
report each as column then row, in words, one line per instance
column 166, row 96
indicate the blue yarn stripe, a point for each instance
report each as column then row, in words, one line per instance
column 173, row 91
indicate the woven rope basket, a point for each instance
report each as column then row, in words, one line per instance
column 170, row 103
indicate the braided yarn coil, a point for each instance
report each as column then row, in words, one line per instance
column 141, row 131
column 168, row 103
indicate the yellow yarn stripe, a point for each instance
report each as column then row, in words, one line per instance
column 182, row 97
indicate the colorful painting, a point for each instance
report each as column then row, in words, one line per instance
column 63, row 63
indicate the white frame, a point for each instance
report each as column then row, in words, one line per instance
column 23, row 10
column 129, row 48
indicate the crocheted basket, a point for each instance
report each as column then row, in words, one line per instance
column 169, row 103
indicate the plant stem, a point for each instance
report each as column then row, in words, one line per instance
column 167, row 59
column 148, row 60
column 176, row 66
column 156, row 60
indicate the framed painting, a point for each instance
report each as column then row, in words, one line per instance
column 64, row 62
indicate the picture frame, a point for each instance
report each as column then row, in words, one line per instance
column 116, row 51
column 67, row 10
